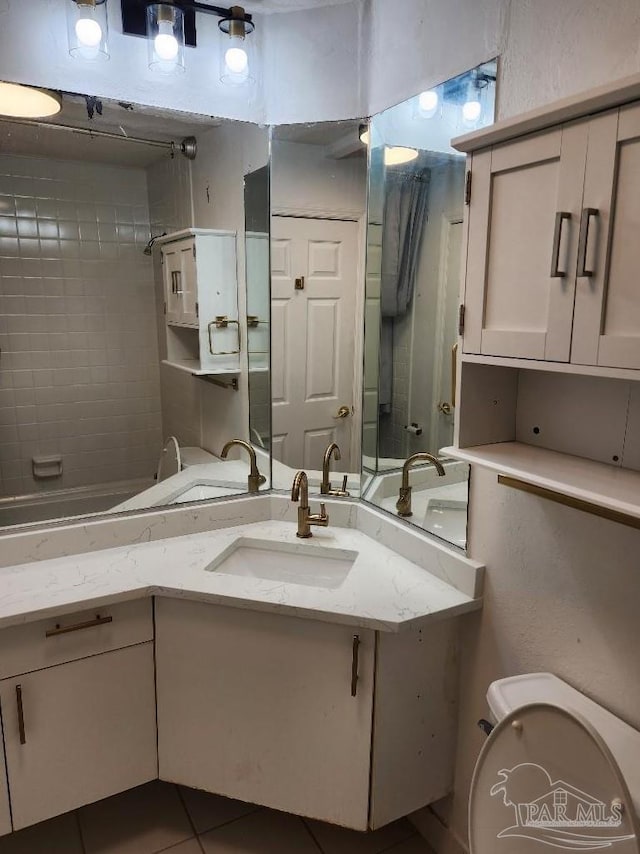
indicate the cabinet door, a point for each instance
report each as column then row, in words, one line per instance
column 522, row 245
column 607, row 313
column 78, row 732
column 259, row 707
column 180, row 282
column 5, row 814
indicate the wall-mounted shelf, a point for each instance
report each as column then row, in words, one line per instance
column 193, row 367
column 597, row 488
column 552, row 367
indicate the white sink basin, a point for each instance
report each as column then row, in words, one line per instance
column 202, row 491
column 447, row 518
column 289, row 563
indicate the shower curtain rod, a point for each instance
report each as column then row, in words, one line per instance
column 187, row 146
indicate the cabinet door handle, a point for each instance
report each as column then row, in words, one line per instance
column 355, row 655
column 557, row 240
column 23, row 737
column 76, row 627
column 583, row 242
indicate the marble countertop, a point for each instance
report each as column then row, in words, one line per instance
column 382, row 591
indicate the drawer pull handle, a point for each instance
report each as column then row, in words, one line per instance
column 355, row 654
column 89, row 624
column 583, row 240
column 23, row 737
column 557, row 239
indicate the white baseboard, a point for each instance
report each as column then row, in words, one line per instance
column 438, row 835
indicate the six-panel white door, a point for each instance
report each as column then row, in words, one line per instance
column 522, row 249
column 79, row 732
column 260, row 707
column 606, row 328
column 313, row 333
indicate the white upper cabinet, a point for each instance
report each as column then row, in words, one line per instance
column 523, row 225
column 201, row 301
column 553, row 250
column 607, row 310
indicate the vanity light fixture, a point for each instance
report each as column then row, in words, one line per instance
column 170, row 26
column 165, row 37
column 472, row 107
column 88, row 29
column 27, row 102
column 235, row 60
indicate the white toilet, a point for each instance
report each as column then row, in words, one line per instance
column 174, row 459
column 558, row 773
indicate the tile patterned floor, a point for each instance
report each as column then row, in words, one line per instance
column 160, row 817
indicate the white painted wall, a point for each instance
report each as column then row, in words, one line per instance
column 305, row 179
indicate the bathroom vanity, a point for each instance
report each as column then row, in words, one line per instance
column 330, row 695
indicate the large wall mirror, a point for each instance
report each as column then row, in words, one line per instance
column 133, row 317
column 318, row 218
column 413, row 266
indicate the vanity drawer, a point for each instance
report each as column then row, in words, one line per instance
column 72, row 636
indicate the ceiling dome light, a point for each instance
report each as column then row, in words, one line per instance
column 88, row 29
column 25, row 102
column 394, row 155
column 428, row 103
column 165, row 37
column 235, row 53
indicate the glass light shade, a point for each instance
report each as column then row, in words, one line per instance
column 471, row 110
column 428, row 103
column 236, row 59
column 394, row 155
column 165, row 37
column 24, row 102
column 88, row 29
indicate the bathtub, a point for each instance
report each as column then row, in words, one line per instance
column 66, row 503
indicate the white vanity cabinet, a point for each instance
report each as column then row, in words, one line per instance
column 201, row 301
column 84, row 728
column 553, row 224
column 5, row 812
column 346, row 725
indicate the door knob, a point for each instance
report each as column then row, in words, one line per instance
column 445, row 408
column 343, row 412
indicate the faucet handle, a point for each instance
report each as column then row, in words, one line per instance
column 323, row 509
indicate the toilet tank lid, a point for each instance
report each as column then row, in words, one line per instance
column 623, row 741
column 192, row 456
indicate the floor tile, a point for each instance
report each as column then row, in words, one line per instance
column 209, row 811
column 56, row 836
column 415, row 845
column 337, row 840
column 141, row 821
column 191, row 846
column 262, row 832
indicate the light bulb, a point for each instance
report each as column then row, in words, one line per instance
column 471, row 111
column 165, row 43
column 428, row 103
column 365, row 136
column 88, row 32
column 236, row 60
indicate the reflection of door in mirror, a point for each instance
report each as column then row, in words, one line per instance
column 318, row 194
column 313, row 274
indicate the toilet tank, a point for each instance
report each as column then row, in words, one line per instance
column 506, row 695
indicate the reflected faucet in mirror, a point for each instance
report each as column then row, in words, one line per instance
column 300, row 492
column 255, row 479
column 325, row 486
column 403, row 504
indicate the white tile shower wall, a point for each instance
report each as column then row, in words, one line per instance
column 79, row 357
column 170, row 209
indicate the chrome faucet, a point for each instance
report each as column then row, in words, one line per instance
column 255, row 479
column 300, row 491
column 325, row 486
column 403, row 504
